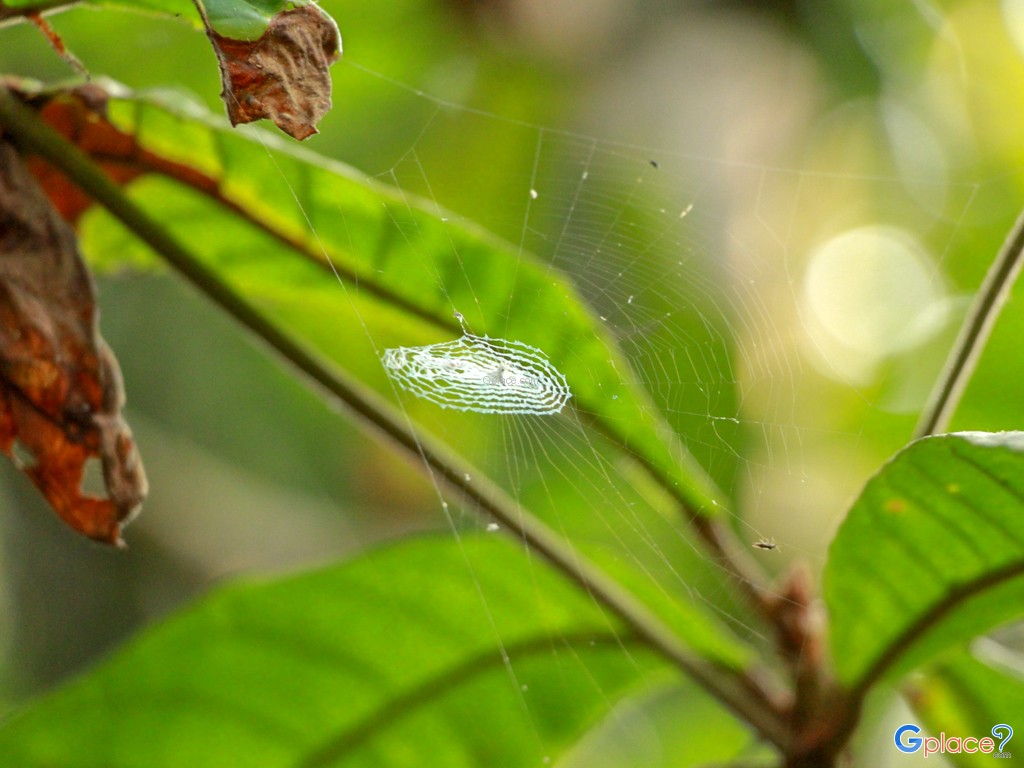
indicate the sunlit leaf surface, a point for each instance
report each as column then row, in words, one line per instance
column 433, row 651
column 931, row 554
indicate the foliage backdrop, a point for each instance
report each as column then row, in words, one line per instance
column 253, row 474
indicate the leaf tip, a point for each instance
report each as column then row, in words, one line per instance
column 283, row 74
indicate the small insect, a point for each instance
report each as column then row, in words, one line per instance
column 654, row 164
column 767, row 544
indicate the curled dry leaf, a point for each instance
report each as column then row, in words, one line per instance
column 284, row 74
column 60, row 386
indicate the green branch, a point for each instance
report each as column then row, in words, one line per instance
column 736, row 691
column 977, row 327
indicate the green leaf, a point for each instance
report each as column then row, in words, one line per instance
column 382, row 661
column 393, row 250
column 248, row 223
column 245, row 217
column 931, row 554
column 245, row 19
column 665, row 724
column 966, row 697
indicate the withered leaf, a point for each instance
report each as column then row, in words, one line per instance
column 284, row 74
column 79, row 115
column 60, row 386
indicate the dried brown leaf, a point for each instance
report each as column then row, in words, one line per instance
column 60, row 386
column 284, row 75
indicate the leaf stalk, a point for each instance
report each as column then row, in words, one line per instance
column 976, row 329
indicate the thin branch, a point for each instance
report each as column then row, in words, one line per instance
column 732, row 556
column 57, row 43
column 728, row 686
column 975, row 332
column 953, row 599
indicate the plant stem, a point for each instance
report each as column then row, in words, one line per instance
column 977, row 327
column 734, row 690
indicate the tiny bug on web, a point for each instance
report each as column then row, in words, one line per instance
column 763, row 543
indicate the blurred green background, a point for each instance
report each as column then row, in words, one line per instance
column 852, row 168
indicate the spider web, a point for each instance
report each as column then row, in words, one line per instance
column 784, row 334
column 709, row 293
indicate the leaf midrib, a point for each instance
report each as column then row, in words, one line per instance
column 391, row 712
column 918, row 628
column 951, row 600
